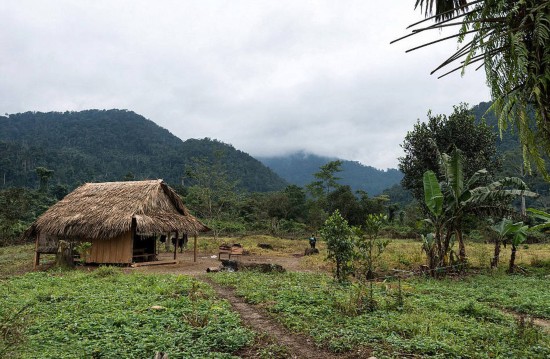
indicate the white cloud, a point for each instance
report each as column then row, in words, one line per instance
column 269, row 77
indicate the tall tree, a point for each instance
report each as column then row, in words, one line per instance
column 325, row 183
column 44, row 175
column 326, row 179
column 213, row 196
column 476, row 140
column 511, row 40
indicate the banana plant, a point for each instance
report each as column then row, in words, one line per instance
column 515, row 233
column 434, row 200
column 453, row 198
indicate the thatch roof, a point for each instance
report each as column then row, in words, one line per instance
column 106, row 210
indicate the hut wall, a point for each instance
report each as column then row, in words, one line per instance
column 46, row 243
column 114, row 250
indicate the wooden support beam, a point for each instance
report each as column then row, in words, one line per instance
column 36, row 254
column 195, row 248
column 176, row 246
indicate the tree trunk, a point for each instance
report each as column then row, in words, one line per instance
column 64, row 256
column 512, row 260
column 440, row 250
column 444, row 259
column 461, row 248
column 496, row 255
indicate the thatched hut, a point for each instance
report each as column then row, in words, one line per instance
column 121, row 220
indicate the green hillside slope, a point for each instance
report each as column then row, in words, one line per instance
column 110, row 145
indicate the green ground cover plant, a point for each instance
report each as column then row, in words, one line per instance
column 16, row 259
column 437, row 319
column 108, row 314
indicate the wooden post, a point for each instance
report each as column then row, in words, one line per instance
column 176, row 246
column 36, row 254
column 195, row 248
column 167, row 243
column 132, row 239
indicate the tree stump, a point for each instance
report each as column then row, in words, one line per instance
column 229, row 264
column 64, row 256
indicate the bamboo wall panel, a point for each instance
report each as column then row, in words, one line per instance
column 115, row 250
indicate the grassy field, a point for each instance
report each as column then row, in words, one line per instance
column 437, row 318
column 107, row 314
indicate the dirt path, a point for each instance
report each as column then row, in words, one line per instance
column 257, row 319
column 544, row 324
column 269, row 331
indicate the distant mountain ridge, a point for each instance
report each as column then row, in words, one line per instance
column 109, row 145
column 299, row 168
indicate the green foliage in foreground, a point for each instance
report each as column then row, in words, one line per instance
column 439, row 319
column 106, row 314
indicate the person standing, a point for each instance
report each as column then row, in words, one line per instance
column 312, row 241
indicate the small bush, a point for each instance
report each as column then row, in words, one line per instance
column 476, row 310
column 12, row 326
column 540, row 263
column 106, row 271
column 537, row 237
column 399, row 232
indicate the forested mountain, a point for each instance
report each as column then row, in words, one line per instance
column 299, row 169
column 111, row 145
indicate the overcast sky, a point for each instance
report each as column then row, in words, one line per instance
column 269, row 77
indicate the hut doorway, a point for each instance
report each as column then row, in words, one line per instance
column 144, row 248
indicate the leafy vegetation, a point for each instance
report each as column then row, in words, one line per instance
column 459, row 196
column 443, row 133
column 510, row 40
column 107, row 314
column 338, row 235
column 18, row 208
column 439, row 319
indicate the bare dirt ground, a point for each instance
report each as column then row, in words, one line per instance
column 208, row 260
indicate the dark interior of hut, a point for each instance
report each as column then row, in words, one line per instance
column 144, row 248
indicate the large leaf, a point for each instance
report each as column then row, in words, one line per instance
column 505, row 188
column 476, row 177
column 518, row 233
column 540, row 215
column 432, row 193
column 455, row 173
column 537, row 213
column 515, row 232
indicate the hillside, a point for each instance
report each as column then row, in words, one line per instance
column 299, row 169
column 109, row 145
